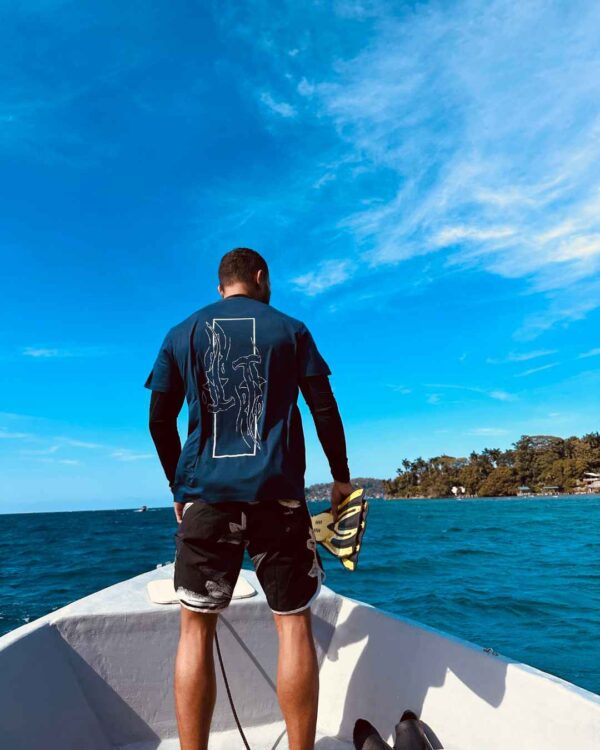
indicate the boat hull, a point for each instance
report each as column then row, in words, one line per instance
column 97, row 674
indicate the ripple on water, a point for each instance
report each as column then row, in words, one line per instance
column 462, row 551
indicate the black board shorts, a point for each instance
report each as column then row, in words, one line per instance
column 210, row 544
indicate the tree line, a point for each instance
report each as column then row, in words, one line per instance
column 374, row 488
column 534, row 462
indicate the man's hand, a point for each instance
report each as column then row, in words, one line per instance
column 178, row 508
column 339, row 492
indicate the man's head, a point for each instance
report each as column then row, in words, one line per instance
column 244, row 271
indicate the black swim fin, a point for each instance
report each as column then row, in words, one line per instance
column 410, row 734
column 366, row 737
column 343, row 538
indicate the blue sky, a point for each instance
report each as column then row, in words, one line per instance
column 423, row 179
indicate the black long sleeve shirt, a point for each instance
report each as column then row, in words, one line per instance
column 164, row 410
column 328, row 422
column 165, row 407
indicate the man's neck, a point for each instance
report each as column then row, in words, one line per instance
column 238, row 289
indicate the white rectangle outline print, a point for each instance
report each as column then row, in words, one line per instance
column 235, row 455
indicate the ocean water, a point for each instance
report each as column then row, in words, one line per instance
column 519, row 575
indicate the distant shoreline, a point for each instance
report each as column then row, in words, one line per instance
column 326, row 499
column 532, row 496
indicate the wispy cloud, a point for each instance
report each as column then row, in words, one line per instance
column 59, row 461
column 520, row 356
column 459, row 234
column 43, row 352
column 284, row 109
column 53, row 452
column 11, row 415
column 502, row 396
column 324, row 179
column 494, row 393
column 591, row 353
column 87, row 445
column 41, row 451
column 477, row 141
column 128, row 455
column 30, row 351
column 488, row 431
column 428, row 100
column 305, row 88
column 399, row 388
column 533, row 370
column 564, row 306
column 7, row 435
column 328, row 274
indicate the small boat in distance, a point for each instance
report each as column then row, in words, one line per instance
column 141, row 510
column 98, row 674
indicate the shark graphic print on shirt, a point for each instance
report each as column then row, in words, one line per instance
column 232, row 388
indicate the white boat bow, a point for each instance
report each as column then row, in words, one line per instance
column 98, row 675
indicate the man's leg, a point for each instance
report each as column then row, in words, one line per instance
column 195, row 684
column 298, row 678
column 207, row 564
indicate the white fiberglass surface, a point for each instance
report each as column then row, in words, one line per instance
column 258, row 738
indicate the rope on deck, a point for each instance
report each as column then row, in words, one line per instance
column 227, row 688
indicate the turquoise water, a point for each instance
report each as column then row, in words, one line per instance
column 518, row 575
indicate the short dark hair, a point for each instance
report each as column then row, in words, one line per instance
column 241, row 264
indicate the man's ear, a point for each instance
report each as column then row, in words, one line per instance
column 220, row 289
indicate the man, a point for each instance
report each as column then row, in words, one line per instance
column 239, row 482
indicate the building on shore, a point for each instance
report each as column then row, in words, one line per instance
column 591, row 482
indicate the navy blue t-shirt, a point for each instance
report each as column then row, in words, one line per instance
column 238, row 361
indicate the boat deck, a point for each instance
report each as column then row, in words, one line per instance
column 257, row 738
column 98, row 674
